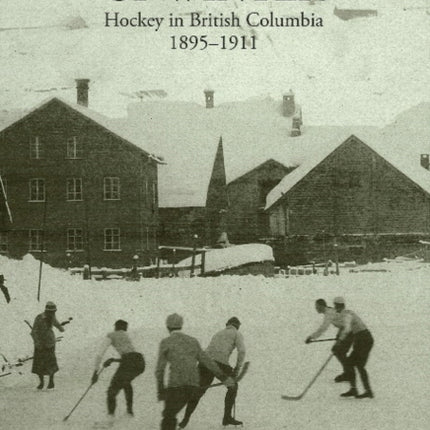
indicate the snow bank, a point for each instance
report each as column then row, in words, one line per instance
column 218, row 260
column 276, row 315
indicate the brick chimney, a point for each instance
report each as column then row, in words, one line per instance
column 425, row 161
column 82, row 91
column 288, row 104
column 209, row 97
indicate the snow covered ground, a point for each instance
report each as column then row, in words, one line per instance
column 277, row 315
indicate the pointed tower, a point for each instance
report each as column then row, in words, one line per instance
column 217, row 198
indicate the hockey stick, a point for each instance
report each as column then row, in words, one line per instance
column 82, row 397
column 323, row 340
column 237, row 379
column 310, row 383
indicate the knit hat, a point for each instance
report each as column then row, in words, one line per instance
column 50, row 306
column 174, row 321
column 339, row 300
column 234, row 321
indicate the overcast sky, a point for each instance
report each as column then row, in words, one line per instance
column 363, row 71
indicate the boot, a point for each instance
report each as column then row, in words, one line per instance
column 231, row 421
column 41, row 383
column 51, row 382
column 351, row 393
column 366, row 394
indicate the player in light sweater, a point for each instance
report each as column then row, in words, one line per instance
column 220, row 348
column 361, row 346
column 182, row 353
column 132, row 364
column 341, row 348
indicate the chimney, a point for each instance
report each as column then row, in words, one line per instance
column 288, row 105
column 425, row 161
column 209, row 97
column 82, row 91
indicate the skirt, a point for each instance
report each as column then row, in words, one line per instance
column 44, row 361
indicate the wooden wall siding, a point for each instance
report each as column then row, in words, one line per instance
column 353, row 191
column 247, row 220
column 104, row 154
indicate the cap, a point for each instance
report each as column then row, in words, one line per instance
column 234, row 321
column 2, row 278
column 174, row 321
column 50, row 306
column 339, row 300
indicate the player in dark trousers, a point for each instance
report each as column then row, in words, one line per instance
column 182, row 353
column 341, row 348
column 132, row 364
column 45, row 361
column 362, row 343
column 4, row 289
column 220, row 348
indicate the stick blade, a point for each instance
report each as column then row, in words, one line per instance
column 284, row 397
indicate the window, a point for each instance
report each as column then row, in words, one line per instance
column 112, row 239
column 3, row 242
column 154, row 196
column 74, row 189
column 111, row 189
column 35, row 240
column 36, row 150
column 37, row 190
column 74, row 148
column 75, row 240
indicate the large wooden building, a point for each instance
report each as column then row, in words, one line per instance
column 79, row 192
column 362, row 200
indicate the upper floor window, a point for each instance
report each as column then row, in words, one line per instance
column 112, row 239
column 74, row 148
column 36, row 150
column 3, row 242
column 74, row 189
column 111, row 188
column 75, row 241
column 37, row 190
column 35, row 240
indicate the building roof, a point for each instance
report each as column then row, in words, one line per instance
column 187, row 135
column 98, row 118
column 400, row 143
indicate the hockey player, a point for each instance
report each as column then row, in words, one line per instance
column 341, row 348
column 132, row 364
column 362, row 343
column 182, row 353
column 4, row 289
column 45, row 361
column 220, row 348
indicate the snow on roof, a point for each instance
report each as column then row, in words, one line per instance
column 234, row 256
column 187, row 135
column 400, row 143
column 100, row 119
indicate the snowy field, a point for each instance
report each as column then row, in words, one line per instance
column 276, row 315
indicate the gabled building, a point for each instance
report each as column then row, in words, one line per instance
column 367, row 197
column 232, row 152
column 80, row 191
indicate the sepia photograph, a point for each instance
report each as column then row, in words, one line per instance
column 214, row 214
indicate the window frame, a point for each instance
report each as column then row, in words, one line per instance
column 72, row 195
column 38, row 198
column 36, row 148
column 109, row 191
column 75, row 239
column 39, row 240
column 106, row 238
column 74, row 149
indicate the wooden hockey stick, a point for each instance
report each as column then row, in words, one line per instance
column 310, row 383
